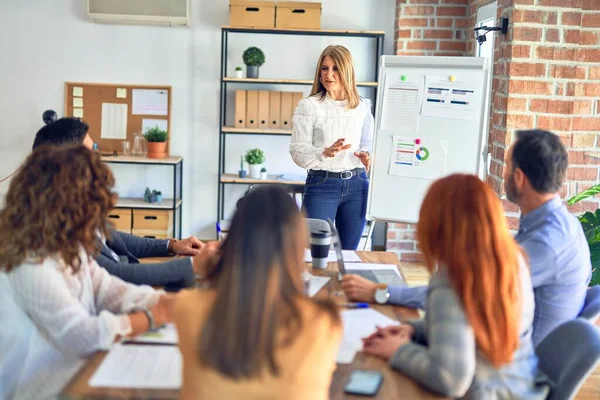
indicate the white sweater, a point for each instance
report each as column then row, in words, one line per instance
column 318, row 124
column 53, row 319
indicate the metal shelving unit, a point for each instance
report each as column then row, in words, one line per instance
column 224, row 131
column 173, row 203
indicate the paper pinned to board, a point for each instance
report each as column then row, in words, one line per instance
column 426, row 160
column 445, row 98
column 148, row 123
column 150, row 102
column 401, row 104
column 140, row 367
column 78, row 112
column 121, row 93
column 78, row 102
column 77, row 91
column 359, row 324
column 114, row 121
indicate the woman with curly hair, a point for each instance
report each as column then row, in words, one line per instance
column 57, row 306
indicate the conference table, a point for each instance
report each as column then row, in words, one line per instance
column 394, row 386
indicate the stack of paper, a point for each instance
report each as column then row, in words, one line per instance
column 139, row 366
column 359, row 324
column 348, row 255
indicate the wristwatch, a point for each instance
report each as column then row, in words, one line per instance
column 382, row 295
column 150, row 320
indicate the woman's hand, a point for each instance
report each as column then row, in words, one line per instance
column 336, row 148
column 207, row 258
column 365, row 158
column 385, row 347
column 163, row 310
column 392, row 330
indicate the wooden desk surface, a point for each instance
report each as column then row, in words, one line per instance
column 395, row 385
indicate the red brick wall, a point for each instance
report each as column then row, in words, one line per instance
column 546, row 75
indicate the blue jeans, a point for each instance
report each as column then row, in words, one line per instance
column 341, row 200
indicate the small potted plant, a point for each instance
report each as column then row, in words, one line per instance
column 157, row 142
column 253, row 58
column 263, row 173
column 158, row 197
column 255, row 158
column 147, row 194
column 242, row 172
column 239, row 72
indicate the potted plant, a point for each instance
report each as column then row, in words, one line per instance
column 157, row 196
column 239, row 72
column 263, row 174
column 157, row 142
column 147, row 194
column 253, row 58
column 255, row 158
column 242, row 172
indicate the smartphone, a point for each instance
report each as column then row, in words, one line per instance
column 364, row 383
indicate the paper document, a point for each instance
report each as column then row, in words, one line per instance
column 413, row 157
column 359, row 324
column 380, row 273
column 78, row 102
column 121, row 93
column 316, row 283
column 446, row 99
column 139, row 367
column 349, row 256
column 151, row 123
column 401, row 103
column 77, row 91
column 165, row 335
column 149, row 102
column 114, row 121
column 78, row 112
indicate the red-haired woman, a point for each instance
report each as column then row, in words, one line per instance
column 476, row 339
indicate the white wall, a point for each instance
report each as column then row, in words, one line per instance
column 46, row 43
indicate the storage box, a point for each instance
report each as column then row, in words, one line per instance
column 252, row 14
column 155, row 220
column 152, row 234
column 295, row 14
column 121, row 218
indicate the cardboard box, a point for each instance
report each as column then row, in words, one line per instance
column 299, row 15
column 252, row 109
column 156, row 220
column 121, row 218
column 252, row 14
column 274, row 110
column 286, row 110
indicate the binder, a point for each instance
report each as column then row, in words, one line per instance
column 263, row 109
column 274, row 110
column 252, row 109
column 296, row 97
column 286, row 110
column 240, row 109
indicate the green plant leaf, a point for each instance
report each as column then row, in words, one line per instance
column 255, row 156
column 155, row 134
column 254, row 57
column 594, row 190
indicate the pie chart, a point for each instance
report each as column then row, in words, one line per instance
column 422, row 153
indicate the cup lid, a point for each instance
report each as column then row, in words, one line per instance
column 320, row 234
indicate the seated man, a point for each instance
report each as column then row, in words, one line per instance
column 553, row 239
column 120, row 252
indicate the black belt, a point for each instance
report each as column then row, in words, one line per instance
column 341, row 175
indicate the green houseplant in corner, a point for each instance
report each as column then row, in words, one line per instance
column 157, row 142
column 590, row 222
column 253, row 58
column 255, row 158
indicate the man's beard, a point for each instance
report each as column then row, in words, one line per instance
column 511, row 191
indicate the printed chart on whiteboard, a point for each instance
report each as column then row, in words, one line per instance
column 401, row 103
column 415, row 158
column 445, row 98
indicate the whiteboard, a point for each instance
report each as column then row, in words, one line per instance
column 423, row 138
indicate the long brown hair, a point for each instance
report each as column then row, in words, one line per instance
column 56, row 204
column 462, row 227
column 258, row 283
column 343, row 61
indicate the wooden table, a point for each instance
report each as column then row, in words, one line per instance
column 395, row 385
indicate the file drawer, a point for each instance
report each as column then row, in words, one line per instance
column 121, row 219
column 155, row 220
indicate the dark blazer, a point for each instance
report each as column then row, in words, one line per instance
column 173, row 274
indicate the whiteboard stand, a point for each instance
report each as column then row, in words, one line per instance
column 369, row 235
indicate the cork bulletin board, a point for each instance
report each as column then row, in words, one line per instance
column 126, row 109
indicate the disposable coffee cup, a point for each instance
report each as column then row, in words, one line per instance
column 320, row 241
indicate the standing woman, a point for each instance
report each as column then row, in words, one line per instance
column 332, row 135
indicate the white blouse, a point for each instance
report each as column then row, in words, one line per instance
column 318, row 124
column 53, row 319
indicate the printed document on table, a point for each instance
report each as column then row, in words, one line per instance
column 349, row 256
column 401, row 103
column 317, row 283
column 165, row 335
column 139, row 367
column 359, row 324
column 445, row 99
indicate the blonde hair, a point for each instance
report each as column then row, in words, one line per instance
column 343, row 61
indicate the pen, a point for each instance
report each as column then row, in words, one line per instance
column 218, row 230
column 355, row 305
